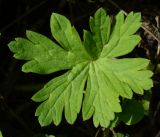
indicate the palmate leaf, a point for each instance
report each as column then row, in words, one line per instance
column 95, row 78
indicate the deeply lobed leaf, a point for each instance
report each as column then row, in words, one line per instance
column 95, row 78
column 60, row 93
column 122, row 40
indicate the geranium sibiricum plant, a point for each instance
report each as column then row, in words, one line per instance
column 95, row 77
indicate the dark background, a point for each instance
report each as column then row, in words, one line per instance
column 16, row 88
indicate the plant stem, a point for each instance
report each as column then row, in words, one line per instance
column 113, row 132
column 97, row 133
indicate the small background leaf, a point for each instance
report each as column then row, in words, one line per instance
column 132, row 112
column 121, row 135
column 44, row 135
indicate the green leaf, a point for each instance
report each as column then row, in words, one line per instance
column 43, row 135
column 40, row 51
column 145, row 101
column 122, row 135
column 146, row 105
column 50, row 136
column 132, row 112
column 122, row 40
column 94, row 78
column 100, row 27
column 1, row 134
column 65, row 95
column 114, row 123
column 158, row 68
column 67, row 36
